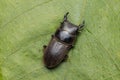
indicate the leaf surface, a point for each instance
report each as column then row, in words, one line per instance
column 25, row 26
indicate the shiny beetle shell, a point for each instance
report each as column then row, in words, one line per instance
column 60, row 44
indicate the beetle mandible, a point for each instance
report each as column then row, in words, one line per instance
column 61, row 42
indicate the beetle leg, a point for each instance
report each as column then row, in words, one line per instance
column 81, row 25
column 72, row 46
column 44, row 46
column 65, row 58
column 52, row 36
column 65, row 16
column 61, row 23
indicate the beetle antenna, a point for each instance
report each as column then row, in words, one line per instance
column 65, row 16
column 82, row 25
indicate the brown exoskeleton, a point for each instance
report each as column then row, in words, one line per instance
column 60, row 44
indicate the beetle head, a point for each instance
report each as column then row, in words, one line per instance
column 69, row 27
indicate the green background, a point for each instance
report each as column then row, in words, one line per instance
column 26, row 25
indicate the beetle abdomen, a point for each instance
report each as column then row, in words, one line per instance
column 54, row 53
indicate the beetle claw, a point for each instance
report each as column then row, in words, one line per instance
column 82, row 25
column 44, row 46
column 65, row 58
column 61, row 22
column 52, row 36
column 65, row 16
column 72, row 46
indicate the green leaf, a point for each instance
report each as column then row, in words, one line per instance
column 1, row 76
column 25, row 26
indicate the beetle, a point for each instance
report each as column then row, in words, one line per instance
column 61, row 42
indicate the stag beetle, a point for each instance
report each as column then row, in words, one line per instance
column 61, row 42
